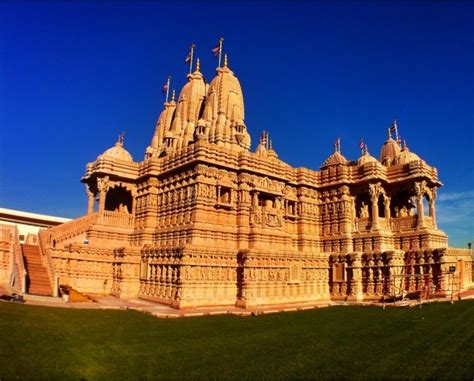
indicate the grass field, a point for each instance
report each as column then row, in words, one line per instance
column 432, row 342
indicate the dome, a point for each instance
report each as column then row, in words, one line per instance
column 334, row 159
column 390, row 150
column 117, row 152
column 405, row 157
column 366, row 158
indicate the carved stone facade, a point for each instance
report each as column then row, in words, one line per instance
column 203, row 221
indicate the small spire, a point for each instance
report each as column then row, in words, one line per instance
column 198, row 65
column 264, row 139
column 173, row 95
column 121, row 139
column 225, row 60
column 337, row 145
column 389, row 135
column 270, row 144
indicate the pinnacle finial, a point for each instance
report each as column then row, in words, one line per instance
column 389, row 135
column 121, row 139
column 225, row 60
column 198, row 65
column 173, row 95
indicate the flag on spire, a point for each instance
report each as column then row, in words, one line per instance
column 165, row 88
column 217, row 49
column 188, row 58
column 337, row 145
column 361, row 144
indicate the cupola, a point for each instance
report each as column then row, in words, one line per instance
column 336, row 157
column 405, row 156
column 117, row 152
column 366, row 157
column 390, row 148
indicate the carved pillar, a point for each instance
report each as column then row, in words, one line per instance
column 374, row 192
column 356, row 281
column 419, row 192
column 90, row 200
column 386, row 202
column 370, row 276
column 102, row 186
column 433, row 207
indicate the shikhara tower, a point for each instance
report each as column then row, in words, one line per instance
column 202, row 220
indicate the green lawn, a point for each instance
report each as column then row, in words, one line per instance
column 432, row 342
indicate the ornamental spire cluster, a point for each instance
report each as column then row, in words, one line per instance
column 213, row 112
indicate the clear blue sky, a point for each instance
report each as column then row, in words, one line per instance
column 73, row 75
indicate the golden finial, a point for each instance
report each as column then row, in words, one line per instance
column 198, row 65
column 173, row 95
column 225, row 60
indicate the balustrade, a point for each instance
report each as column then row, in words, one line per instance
column 108, row 217
column 403, row 223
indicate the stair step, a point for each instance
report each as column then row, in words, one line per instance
column 37, row 273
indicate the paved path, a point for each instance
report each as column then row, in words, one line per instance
column 163, row 311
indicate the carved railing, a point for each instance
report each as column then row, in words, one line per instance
column 403, row 223
column 362, row 224
column 72, row 228
column 458, row 252
column 111, row 218
column 43, row 238
column 31, row 239
column 18, row 263
column 428, row 222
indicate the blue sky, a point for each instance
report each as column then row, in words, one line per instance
column 73, row 75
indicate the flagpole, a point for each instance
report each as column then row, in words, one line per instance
column 192, row 57
column 220, row 50
column 168, row 88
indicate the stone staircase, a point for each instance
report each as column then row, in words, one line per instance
column 38, row 280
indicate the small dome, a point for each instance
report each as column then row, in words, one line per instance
column 390, row 150
column 405, row 157
column 117, row 152
column 334, row 159
column 366, row 158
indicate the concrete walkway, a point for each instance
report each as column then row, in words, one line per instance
column 164, row 311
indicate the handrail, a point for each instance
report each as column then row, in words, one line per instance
column 47, row 261
column 20, row 262
column 72, row 228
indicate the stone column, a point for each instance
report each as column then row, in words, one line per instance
column 433, row 207
column 357, row 293
column 419, row 192
column 102, row 185
column 90, row 200
column 386, row 202
column 374, row 192
column 375, row 213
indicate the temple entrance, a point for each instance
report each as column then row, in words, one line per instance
column 119, row 199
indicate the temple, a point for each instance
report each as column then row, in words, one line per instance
column 204, row 221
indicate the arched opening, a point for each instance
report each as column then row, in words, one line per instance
column 426, row 205
column 363, row 205
column 119, row 199
column 402, row 204
column 381, row 206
